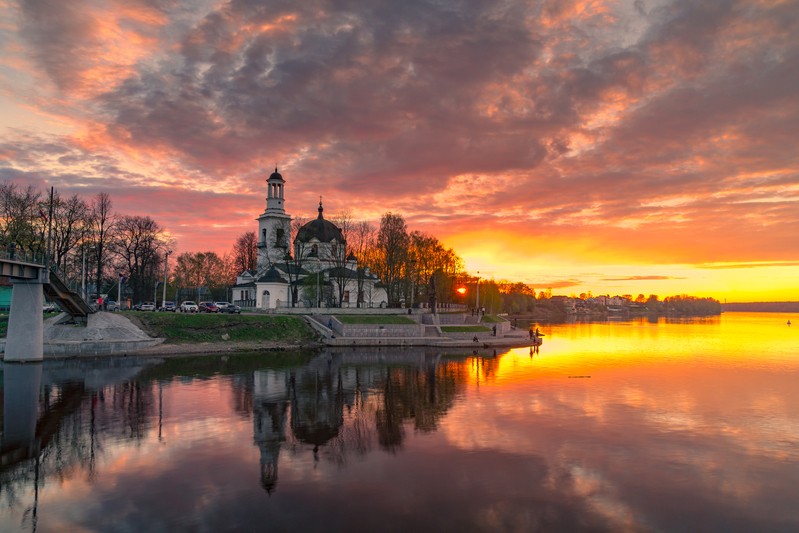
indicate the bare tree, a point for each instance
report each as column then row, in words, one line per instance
column 338, row 256
column 245, row 252
column 293, row 264
column 363, row 241
column 70, row 226
column 137, row 246
column 23, row 218
column 101, row 234
column 392, row 253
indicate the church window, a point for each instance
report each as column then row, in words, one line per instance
column 346, row 297
column 314, row 250
column 279, row 238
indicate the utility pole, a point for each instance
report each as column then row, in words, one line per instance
column 413, row 271
column 49, row 226
column 83, row 274
column 166, row 260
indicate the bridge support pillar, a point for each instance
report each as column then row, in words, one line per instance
column 25, row 337
column 21, row 405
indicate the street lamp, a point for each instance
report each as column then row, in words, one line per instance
column 413, row 271
column 166, row 260
column 477, row 298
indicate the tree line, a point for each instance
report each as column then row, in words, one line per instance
column 92, row 246
column 85, row 241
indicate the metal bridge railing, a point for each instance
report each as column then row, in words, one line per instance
column 22, row 256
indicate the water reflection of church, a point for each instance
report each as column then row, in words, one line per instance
column 338, row 406
column 341, row 405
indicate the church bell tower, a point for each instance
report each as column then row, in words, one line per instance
column 274, row 225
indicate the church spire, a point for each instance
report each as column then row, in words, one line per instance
column 320, row 208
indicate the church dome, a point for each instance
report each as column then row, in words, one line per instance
column 320, row 229
column 276, row 175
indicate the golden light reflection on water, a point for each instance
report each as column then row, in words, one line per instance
column 728, row 377
column 765, row 341
column 708, row 406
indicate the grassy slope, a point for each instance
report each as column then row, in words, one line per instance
column 181, row 328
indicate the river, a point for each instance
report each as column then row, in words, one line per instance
column 637, row 425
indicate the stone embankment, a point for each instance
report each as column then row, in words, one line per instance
column 109, row 333
column 426, row 332
column 104, row 334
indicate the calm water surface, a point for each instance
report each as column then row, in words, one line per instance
column 689, row 425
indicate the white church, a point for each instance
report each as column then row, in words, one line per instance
column 317, row 274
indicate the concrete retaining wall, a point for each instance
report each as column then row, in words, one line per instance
column 445, row 319
column 64, row 349
column 385, row 330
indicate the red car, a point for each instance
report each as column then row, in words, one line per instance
column 208, row 307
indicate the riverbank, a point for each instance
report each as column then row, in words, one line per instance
column 177, row 334
column 167, row 334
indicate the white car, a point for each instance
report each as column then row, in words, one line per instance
column 189, row 307
column 147, row 306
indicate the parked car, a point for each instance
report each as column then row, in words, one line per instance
column 49, row 308
column 110, row 305
column 208, row 307
column 147, row 306
column 168, row 306
column 189, row 307
column 227, row 307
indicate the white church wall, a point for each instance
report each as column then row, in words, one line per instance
column 277, row 295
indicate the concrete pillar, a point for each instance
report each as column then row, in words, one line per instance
column 25, row 337
column 21, row 383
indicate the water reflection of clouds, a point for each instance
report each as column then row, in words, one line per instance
column 599, row 492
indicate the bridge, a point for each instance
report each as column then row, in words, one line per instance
column 32, row 279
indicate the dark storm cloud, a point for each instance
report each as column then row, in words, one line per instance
column 60, row 34
column 395, row 83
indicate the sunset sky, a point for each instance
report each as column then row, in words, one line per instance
column 617, row 147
